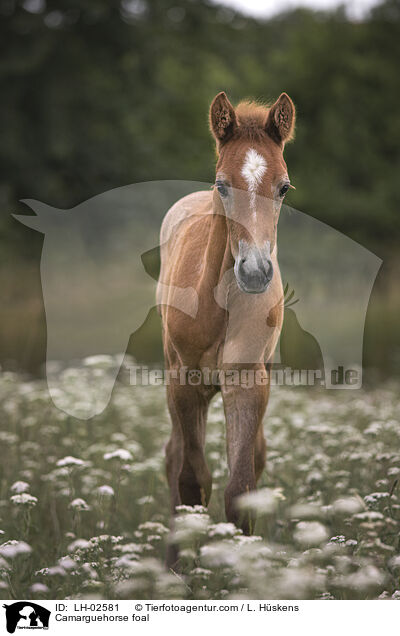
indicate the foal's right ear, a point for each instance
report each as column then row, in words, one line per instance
column 222, row 118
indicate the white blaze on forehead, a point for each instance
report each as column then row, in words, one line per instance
column 253, row 170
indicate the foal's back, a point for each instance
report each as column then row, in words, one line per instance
column 184, row 236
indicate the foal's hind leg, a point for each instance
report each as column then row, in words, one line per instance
column 260, row 453
column 260, row 449
column 188, row 475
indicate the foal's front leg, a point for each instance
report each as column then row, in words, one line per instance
column 188, row 474
column 244, row 411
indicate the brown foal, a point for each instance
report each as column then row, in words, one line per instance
column 222, row 245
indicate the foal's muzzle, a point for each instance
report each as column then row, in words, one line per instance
column 253, row 268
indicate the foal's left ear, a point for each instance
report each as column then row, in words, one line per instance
column 281, row 119
column 222, row 118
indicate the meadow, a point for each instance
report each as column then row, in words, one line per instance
column 84, row 509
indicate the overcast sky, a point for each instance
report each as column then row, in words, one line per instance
column 266, row 8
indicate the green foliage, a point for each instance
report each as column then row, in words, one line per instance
column 97, row 94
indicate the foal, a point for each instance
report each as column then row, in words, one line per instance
column 222, row 245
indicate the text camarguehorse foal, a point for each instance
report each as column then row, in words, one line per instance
column 222, row 244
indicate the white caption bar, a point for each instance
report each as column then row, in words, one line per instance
column 148, row 617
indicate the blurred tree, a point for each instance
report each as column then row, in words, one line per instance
column 96, row 94
column 100, row 93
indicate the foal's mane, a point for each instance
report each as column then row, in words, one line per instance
column 251, row 118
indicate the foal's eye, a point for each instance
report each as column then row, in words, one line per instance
column 222, row 189
column 284, row 189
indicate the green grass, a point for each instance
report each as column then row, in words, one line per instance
column 97, row 525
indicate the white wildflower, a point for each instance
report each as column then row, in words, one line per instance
column 191, row 509
column 67, row 563
column 79, row 544
column 263, row 502
column 126, row 562
column 39, row 588
column 105, row 491
column 70, row 461
column 219, row 554
column 375, row 497
column 129, row 548
column 369, row 516
column 13, row 548
column 366, row 577
column 79, row 505
column 340, row 538
column 56, row 570
column 153, row 527
column 89, row 570
column 121, row 453
column 244, row 541
column 306, row 511
column 201, row 573
column 19, row 486
column 147, row 499
column 309, row 533
column 223, row 530
column 106, row 538
column 188, row 527
column 347, row 506
column 101, row 361
column 24, row 499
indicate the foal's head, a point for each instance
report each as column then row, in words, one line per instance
column 251, row 181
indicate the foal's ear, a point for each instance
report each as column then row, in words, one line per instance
column 281, row 119
column 222, row 118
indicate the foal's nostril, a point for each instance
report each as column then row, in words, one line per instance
column 270, row 271
column 241, row 266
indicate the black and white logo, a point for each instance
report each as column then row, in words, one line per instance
column 26, row 615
